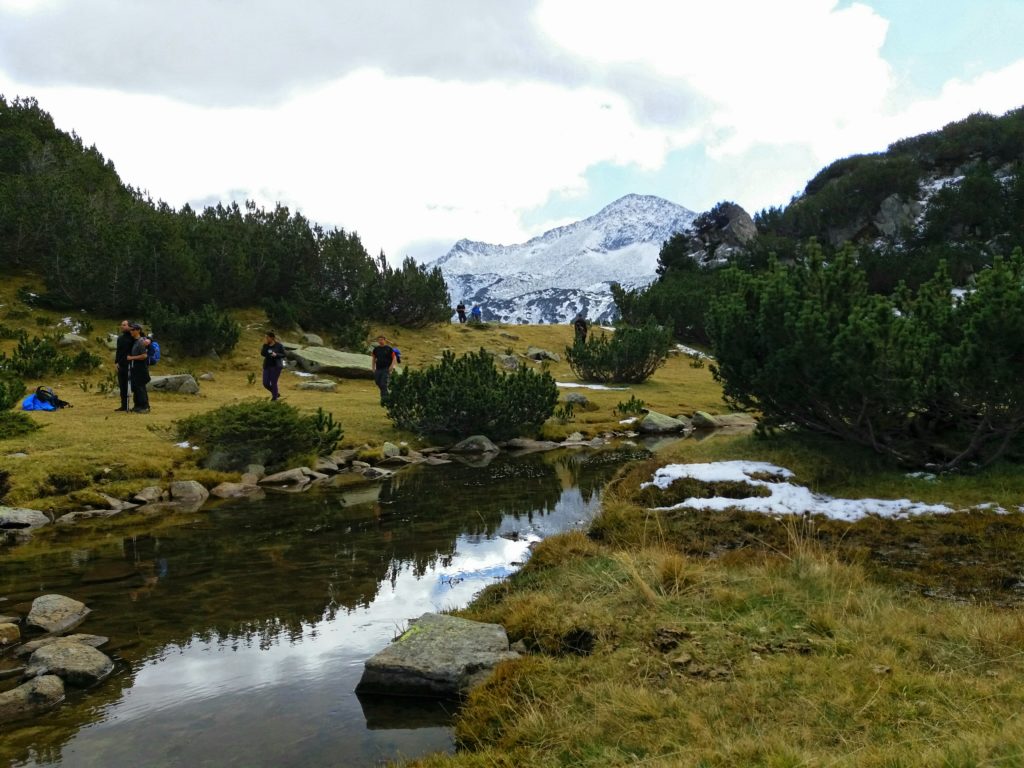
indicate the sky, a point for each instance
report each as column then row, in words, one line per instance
column 416, row 123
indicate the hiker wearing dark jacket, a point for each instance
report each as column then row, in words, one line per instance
column 124, row 348
column 382, row 361
column 273, row 361
column 138, row 369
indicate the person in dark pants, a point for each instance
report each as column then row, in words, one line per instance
column 124, row 347
column 138, row 369
column 273, row 361
column 461, row 311
column 382, row 361
column 581, row 327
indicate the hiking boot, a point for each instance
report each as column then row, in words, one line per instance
column 140, row 410
column 122, row 408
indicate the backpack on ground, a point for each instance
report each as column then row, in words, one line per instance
column 44, row 399
column 153, row 352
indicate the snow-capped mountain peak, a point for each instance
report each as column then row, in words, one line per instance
column 569, row 269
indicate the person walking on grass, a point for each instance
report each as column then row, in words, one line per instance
column 382, row 362
column 581, row 326
column 138, row 369
column 124, row 348
column 273, row 361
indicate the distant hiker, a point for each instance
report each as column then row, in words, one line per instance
column 382, row 361
column 476, row 314
column 124, row 348
column 461, row 312
column 273, row 361
column 138, row 369
column 581, row 326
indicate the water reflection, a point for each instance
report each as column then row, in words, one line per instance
column 241, row 635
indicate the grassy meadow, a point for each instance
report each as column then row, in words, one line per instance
column 664, row 638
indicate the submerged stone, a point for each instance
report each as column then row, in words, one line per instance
column 32, row 698
column 76, row 663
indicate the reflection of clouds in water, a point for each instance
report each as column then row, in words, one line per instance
column 336, row 647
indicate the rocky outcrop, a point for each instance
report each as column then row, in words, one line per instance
column 177, row 384
column 188, row 492
column 56, row 613
column 33, row 698
column 475, row 444
column 323, row 360
column 536, row 353
column 439, row 656
column 17, row 518
column 658, row 423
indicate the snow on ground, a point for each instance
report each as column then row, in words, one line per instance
column 693, row 352
column 589, row 386
column 786, row 498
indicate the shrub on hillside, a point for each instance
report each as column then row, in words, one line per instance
column 196, row 332
column 468, row 395
column 262, row 432
column 924, row 377
column 630, row 355
column 12, row 389
column 35, row 357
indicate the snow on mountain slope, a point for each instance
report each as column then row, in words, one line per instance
column 568, row 269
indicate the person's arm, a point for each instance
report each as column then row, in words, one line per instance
column 394, row 361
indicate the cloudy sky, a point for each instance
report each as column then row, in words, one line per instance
column 419, row 122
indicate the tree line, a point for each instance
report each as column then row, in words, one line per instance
column 102, row 245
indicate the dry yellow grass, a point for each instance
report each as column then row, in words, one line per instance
column 128, row 450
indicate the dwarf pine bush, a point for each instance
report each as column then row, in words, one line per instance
column 469, row 396
column 630, row 355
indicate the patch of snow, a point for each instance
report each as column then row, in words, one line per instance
column 579, row 385
column 693, row 352
column 304, row 375
column 785, row 498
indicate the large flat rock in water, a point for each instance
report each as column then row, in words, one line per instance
column 438, row 656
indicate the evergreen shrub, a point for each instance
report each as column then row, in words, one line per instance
column 15, row 424
column 258, row 431
column 12, row 389
column 469, row 396
column 630, row 355
column 196, row 332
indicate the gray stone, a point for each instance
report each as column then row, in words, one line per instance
column 475, row 444
column 507, row 335
column 895, row 215
column 17, row 517
column 170, row 507
column 657, row 423
column 256, row 469
column 85, row 514
column 56, row 613
column 76, row 663
column 31, row 699
column 344, row 456
column 376, row 473
column 389, row 450
column 295, row 476
column 9, row 633
column 188, row 492
column 323, row 360
column 704, row 420
column 526, row 445
column 311, row 340
column 178, row 384
column 72, row 340
column 32, row 646
column 325, row 466
column 536, row 353
column 149, row 494
column 237, row 491
column 745, row 420
column 206, row 376
column 116, row 504
column 580, row 402
column 508, row 362
column 318, row 385
column 442, row 656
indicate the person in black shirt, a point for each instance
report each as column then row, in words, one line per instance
column 138, row 369
column 581, row 327
column 124, row 348
column 273, row 361
column 382, row 361
column 461, row 311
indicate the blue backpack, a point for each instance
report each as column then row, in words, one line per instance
column 153, row 352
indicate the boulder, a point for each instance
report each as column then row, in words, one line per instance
column 17, row 517
column 85, row 514
column 475, row 444
column 72, row 340
column 116, row 504
column 526, row 445
column 56, row 613
column 177, row 383
column 319, row 385
column 237, row 491
column 148, row 495
column 508, row 362
column 704, row 420
column 536, row 353
column 188, row 492
column 32, row 646
column 311, row 340
column 33, row 698
column 298, row 475
column 658, row 423
column 438, row 656
column 325, row 466
column 76, row 663
column 208, row 376
column 9, row 633
column 324, row 360
column 390, row 450
column 580, row 402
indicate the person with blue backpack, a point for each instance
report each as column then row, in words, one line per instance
column 138, row 369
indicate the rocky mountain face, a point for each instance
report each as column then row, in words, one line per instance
column 567, row 270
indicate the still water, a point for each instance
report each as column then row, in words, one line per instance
column 240, row 632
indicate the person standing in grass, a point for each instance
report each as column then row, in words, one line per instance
column 124, row 348
column 138, row 373
column 382, row 362
column 273, row 362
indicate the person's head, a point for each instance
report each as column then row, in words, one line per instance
column 382, row 340
column 125, row 326
column 136, row 330
column 271, row 337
